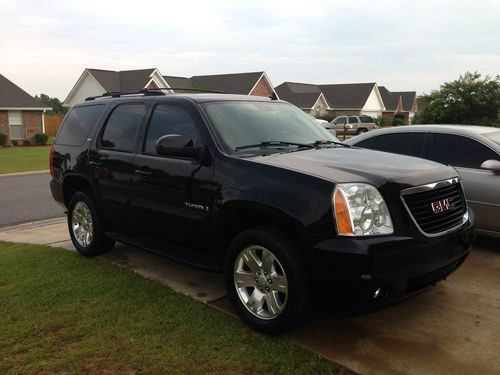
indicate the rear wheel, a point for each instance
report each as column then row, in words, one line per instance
column 361, row 131
column 265, row 280
column 85, row 226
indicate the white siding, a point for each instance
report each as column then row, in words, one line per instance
column 373, row 106
column 88, row 87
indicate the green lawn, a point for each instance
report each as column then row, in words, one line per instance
column 63, row 313
column 24, row 158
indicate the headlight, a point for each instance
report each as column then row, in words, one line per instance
column 360, row 210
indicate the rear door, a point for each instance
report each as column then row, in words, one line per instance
column 111, row 161
column 482, row 187
column 411, row 144
column 173, row 196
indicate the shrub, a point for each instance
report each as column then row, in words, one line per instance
column 4, row 139
column 26, row 142
column 399, row 121
column 41, row 138
column 328, row 117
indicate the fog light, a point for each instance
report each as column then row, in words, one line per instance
column 378, row 293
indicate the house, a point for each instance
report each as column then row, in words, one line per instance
column 94, row 82
column 21, row 115
column 253, row 83
column 409, row 102
column 306, row 96
column 392, row 101
column 340, row 99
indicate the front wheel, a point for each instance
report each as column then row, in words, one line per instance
column 265, row 280
column 85, row 226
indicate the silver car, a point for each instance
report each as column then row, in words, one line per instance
column 473, row 150
column 353, row 124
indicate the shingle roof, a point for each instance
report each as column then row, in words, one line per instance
column 348, row 95
column 390, row 99
column 408, row 99
column 125, row 80
column 302, row 95
column 178, row 82
column 235, row 83
column 12, row 96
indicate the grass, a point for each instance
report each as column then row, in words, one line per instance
column 62, row 313
column 24, row 159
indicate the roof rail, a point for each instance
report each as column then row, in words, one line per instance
column 146, row 92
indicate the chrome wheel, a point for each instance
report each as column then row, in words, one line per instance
column 81, row 224
column 260, row 282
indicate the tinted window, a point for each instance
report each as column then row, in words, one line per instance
column 353, row 120
column 404, row 143
column 461, row 151
column 366, row 143
column 78, row 124
column 169, row 119
column 121, row 129
column 366, row 119
column 340, row 121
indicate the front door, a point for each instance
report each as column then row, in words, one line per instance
column 172, row 197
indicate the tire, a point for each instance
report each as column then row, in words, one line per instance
column 85, row 226
column 361, row 131
column 268, row 307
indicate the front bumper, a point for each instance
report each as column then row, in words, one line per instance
column 368, row 273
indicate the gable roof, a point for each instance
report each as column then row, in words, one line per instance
column 408, row 99
column 125, row 80
column 178, row 82
column 235, row 83
column 302, row 95
column 391, row 99
column 12, row 96
column 347, row 95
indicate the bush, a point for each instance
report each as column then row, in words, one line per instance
column 4, row 139
column 41, row 138
column 328, row 117
column 26, row 142
column 399, row 121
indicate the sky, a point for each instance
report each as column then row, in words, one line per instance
column 403, row 45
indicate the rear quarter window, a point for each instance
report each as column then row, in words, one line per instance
column 366, row 119
column 77, row 125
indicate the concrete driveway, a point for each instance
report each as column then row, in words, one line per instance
column 452, row 328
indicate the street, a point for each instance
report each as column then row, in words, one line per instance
column 26, row 198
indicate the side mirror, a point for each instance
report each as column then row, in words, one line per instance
column 492, row 165
column 178, row 145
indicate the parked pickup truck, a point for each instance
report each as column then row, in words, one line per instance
column 256, row 189
column 353, row 124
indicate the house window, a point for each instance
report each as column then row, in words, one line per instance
column 16, row 125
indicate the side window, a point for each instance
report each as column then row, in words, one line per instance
column 340, row 121
column 366, row 119
column 120, row 131
column 460, row 151
column 169, row 119
column 403, row 143
column 353, row 120
column 78, row 124
column 365, row 143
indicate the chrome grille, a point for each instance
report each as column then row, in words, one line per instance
column 436, row 208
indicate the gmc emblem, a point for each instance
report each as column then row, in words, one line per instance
column 441, row 206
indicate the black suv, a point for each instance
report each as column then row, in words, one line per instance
column 256, row 188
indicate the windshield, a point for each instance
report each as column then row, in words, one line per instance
column 241, row 124
column 495, row 137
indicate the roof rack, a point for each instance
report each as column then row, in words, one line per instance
column 146, row 92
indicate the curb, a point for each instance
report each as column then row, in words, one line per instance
column 23, row 173
column 33, row 224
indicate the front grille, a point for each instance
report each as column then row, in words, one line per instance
column 447, row 197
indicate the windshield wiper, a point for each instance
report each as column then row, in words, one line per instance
column 327, row 142
column 276, row 144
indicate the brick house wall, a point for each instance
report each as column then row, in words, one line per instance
column 32, row 124
column 4, row 122
column 262, row 88
column 322, row 109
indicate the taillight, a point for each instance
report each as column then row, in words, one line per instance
column 51, row 160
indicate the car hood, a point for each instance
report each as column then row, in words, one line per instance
column 342, row 164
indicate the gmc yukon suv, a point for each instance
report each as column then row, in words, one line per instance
column 256, row 189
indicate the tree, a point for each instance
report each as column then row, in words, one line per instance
column 54, row 103
column 468, row 100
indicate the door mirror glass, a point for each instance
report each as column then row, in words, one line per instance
column 492, row 165
column 178, row 145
